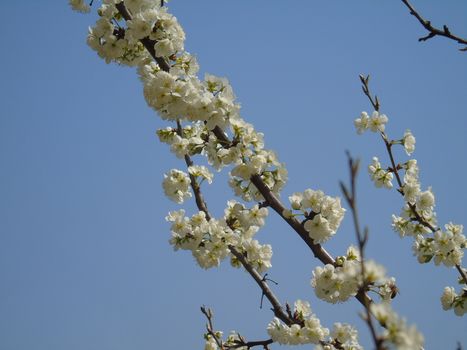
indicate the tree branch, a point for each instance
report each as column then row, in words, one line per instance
column 432, row 31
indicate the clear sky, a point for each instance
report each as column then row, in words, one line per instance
column 84, row 256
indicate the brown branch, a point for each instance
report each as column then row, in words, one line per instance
column 432, row 31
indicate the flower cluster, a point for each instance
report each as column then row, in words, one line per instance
column 307, row 330
column 344, row 337
column 323, row 214
column 408, row 141
column 79, row 6
column 380, row 176
column 233, row 341
column 376, row 123
column 338, row 283
column 446, row 247
column 113, row 42
column 210, row 240
column 176, row 185
column 451, row 300
column 396, row 332
column 188, row 141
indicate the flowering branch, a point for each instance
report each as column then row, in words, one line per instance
column 266, row 192
column 418, row 218
column 200, row 202
column 432, row 31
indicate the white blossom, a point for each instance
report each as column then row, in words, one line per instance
column 323, row 213
column 79, row 6
column 377, row 122
column 201, row 171
column 176, row 185
column 311, row 332
column 396, row 331
column 345, row 334
column 363, row 123
column 426, row 200
column 381, row 177
column 409, row 142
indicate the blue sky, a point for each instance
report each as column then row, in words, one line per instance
column 84, row 256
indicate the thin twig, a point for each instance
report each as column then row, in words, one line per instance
column 366, row 90
column 432, row 31
column 262, row 283
column 362, row 239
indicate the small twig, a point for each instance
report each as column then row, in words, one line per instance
column 366, row 90
column 262, row 294
column 432, row 31
column 261, row 282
